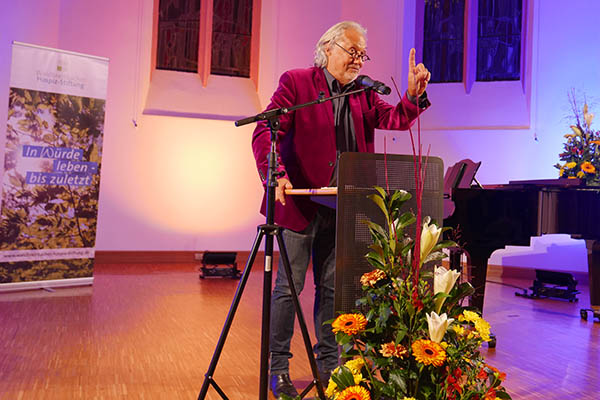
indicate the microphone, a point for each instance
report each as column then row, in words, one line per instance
column 379, row 87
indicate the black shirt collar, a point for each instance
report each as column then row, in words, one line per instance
column 334, row 84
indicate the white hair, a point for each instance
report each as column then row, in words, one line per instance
column 331, row 36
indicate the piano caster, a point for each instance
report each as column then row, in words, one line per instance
column 584, row 314
column 492, row 342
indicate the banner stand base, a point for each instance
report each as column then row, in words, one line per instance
column 54, row 283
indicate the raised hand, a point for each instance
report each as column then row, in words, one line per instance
column 418, row 76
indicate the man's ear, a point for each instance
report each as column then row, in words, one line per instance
column 328, row 49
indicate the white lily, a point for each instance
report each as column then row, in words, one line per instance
column 430, row 235
column 443, row 281
column 438, row 324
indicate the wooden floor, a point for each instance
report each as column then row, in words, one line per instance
column 148, row 332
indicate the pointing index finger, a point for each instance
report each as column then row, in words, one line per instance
column 411, row 59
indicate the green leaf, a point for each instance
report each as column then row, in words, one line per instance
column 381, row 191
column 401, row 196
column 343, row 378
column 503, row 395
column 375, row 260
column 398, row 380
column 402, row 331
column 459, row 292
column 406, row 219
column 342, row 338
column 380, row 203
column 444, row 244
column 438, row 255
column 375, row 227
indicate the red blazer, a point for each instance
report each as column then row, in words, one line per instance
column 307, row 142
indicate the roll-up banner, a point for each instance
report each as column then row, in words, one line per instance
column 52, row 159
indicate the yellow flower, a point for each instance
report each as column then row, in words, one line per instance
column 355, row 365
column 580, row 174
column 437, row 325
column 372, row 277
column 428, row 353
column 470, row 316
column 588, row 167
column 354, row 393
column 350, row 324
column 408, row 398
column 459, row 330
column 560, row 172
column 570, row 165
column 483, row 328
column 331, row 388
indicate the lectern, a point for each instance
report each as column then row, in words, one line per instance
column 358, row 173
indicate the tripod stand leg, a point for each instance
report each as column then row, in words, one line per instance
column 266, row 317
column 208, row 377
column 301, row 320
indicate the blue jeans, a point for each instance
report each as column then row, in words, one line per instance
column 318, row 241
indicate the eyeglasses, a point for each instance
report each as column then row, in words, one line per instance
column 354, row 54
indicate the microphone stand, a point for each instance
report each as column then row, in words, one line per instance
column 269, row 230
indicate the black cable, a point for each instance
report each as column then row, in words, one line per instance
column 506, row 284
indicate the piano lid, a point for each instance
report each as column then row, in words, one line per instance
column 539, row 183
column 561, row 182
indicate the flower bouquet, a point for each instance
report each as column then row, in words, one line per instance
column 581, row 155
column 412, row 338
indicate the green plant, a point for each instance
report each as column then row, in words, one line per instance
column 412, row 338
column 581, row 155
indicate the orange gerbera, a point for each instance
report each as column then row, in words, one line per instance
column 393, row 350
column 354, row 393
column 428, row 352
column 588, row 167
column 372, row 277
column 350, row 324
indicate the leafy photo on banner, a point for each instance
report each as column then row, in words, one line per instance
column 52, row 163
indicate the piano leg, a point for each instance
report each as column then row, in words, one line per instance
column 593, row 247
column 477, row 259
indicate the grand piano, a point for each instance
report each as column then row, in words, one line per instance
column 494, row 216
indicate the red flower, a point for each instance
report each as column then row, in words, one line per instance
column 482, row 374
column 416, row 302
column 453, row 383
column 491, row 394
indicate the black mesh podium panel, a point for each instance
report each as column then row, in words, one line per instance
column 357, row 174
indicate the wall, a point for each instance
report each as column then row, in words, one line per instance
column 189, row 184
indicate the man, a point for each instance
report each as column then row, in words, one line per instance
column 310, row 141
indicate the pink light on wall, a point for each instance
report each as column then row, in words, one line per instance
column 189, row 176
